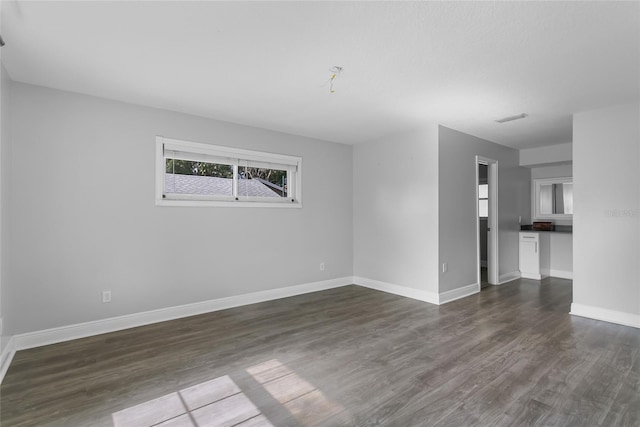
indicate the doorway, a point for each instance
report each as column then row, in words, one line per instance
column 483, row 218
column 487, row 221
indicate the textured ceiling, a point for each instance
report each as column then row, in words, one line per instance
column 266, row 64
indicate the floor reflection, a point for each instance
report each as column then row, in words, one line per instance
column 222, row 402
column 301, row 398
column 218, row 402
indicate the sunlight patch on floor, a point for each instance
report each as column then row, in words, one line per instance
column 218, row 402
column 301, row 398
column 221, row 402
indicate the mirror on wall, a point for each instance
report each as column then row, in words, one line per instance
column 553, row 198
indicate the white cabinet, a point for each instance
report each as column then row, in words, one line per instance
column 534, row 255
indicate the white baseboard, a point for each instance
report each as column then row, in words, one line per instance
column 531, row 276
column 6, row 357
column 452, row 295
column 426, row 296
column 612, row 316
column 508, row 277
column 561, row 274
column 82, row 330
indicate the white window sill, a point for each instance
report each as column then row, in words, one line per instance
column 227, row 204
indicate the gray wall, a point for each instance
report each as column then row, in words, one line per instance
column 557, row 171
column 395, row 206
column 5, row 168
column 561, row 252
column 606, row 171
column 83, row 217
column 552, row 154
column 457, row 211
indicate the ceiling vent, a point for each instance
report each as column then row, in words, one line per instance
column 512, row 118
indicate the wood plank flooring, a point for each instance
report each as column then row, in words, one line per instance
column 351, row 356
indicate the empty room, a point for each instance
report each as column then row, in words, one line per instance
column 319, row 213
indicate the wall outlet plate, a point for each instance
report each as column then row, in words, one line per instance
column 106, row 296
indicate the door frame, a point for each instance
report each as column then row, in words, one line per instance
column 493, row 261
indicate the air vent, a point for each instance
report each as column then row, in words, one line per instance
column 512, row 118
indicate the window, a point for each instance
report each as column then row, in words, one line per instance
column 483, row 200
column 194, row 174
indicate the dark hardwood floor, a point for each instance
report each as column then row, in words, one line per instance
column 508, row 356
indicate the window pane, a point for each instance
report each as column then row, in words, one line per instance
column 546, row 199
column 195, row 174
column 190, row 177
column 567, row 191
column 483, row 208
column 483, row 191
column 262, row 182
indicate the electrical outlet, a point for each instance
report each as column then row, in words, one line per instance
column 322, row 266
column 445, row 267
column 106, row 296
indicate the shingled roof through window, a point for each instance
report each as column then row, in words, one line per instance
column 213, row 186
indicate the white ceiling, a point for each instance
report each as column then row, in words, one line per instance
column 265, row 64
